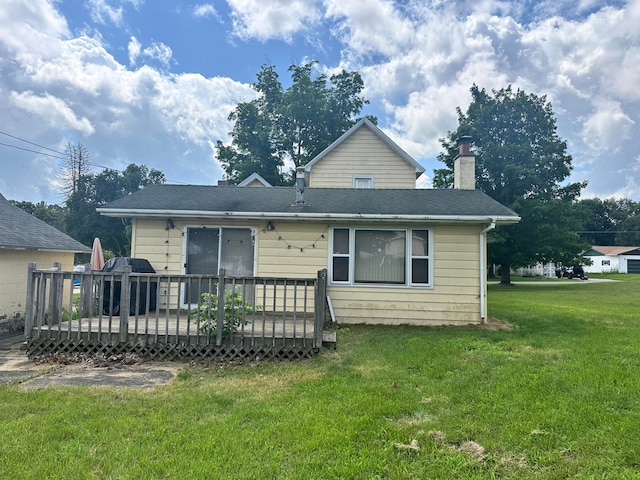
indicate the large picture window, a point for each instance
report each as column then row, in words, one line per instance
column 380, row 256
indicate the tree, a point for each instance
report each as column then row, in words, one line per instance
column 75, row 165
column 52, row 214
column 95, row 190
column 611, row 222
column 289, row 127
column 522, row 163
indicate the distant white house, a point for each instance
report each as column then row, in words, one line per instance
column 611, row 259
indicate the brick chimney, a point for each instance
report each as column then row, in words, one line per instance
column 464, row 166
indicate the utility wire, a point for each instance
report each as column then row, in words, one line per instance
column 32, row 143
column 63, row 154
column 33, row 151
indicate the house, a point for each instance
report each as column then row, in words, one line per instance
column 606, row 259
column 394, row 254
column 24, row 239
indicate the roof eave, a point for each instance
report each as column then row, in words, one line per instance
column 343, row 217
column 44, row 249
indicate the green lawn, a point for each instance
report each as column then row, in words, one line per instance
column 557, row 396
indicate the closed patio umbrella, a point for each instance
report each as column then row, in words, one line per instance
column 97, row 258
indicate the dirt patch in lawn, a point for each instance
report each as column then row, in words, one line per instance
column 493, row 324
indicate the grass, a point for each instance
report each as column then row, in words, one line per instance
column 556, row 397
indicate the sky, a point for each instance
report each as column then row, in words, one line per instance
column 153, row 82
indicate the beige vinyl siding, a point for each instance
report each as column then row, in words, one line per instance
column 362, row 154
column 453, row 299
column 279, row 255
column 13, row 278
column 165, row 249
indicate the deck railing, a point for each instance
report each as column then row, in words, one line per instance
column 173, row 316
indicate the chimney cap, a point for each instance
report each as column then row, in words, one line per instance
column 465, row 139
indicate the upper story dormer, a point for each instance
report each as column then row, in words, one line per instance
column 363, row 157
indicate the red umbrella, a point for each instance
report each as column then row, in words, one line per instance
column 97, row 258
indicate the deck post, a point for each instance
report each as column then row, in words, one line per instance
column 55, row 301
column 125, row 303
column 28, row 314
column 319, row 310
column 221, row 306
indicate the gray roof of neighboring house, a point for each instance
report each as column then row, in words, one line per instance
column 365, row 122
column 20, row 230
column 197, row 201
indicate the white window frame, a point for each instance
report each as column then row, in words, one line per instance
column 408, row 258
column 356, row 178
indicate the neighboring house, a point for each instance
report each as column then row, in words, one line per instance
column 24, row 239
column 607, row 259
column 394, row 254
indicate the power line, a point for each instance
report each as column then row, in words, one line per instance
column 63, row 154
column 32, row 151
column 32, row 143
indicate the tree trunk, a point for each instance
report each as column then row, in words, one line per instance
column 505, row 273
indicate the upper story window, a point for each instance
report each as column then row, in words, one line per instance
column 363, row 181
column 361, row 256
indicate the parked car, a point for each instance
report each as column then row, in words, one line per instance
column 78, row 269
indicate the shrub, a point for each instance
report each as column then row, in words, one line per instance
column 235, row 312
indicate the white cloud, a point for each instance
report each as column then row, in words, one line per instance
column 205, row 10
column 160, row 52
column 134, row 48
column 608, row 127
column 55, row 111
column 157, row 51
column 102, row 12
column 275, row 19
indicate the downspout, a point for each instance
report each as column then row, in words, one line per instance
column 483, row 271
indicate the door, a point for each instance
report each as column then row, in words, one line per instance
column 633, row 266
column 209, row 249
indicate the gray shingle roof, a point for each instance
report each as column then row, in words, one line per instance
column 217, row 201
column 20, row 230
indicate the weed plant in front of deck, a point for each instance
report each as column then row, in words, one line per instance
column 557, row 396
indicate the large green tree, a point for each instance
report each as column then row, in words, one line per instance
column 52, row 214
column 95, row 190
column 522, row 163
column 289, row 127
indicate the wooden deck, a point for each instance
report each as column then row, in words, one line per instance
column 293, row 328
column 172, row 327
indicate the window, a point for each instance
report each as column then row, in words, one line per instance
column 606, row 262
column 363, row 256
column 362, row 181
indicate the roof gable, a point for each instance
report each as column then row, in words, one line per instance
column 254, row 179
column 366, row 123
column 20, row 230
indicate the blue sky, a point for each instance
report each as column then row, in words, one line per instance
column 152, row 82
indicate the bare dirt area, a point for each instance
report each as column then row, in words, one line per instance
column 494, row 324
column 127, row 371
